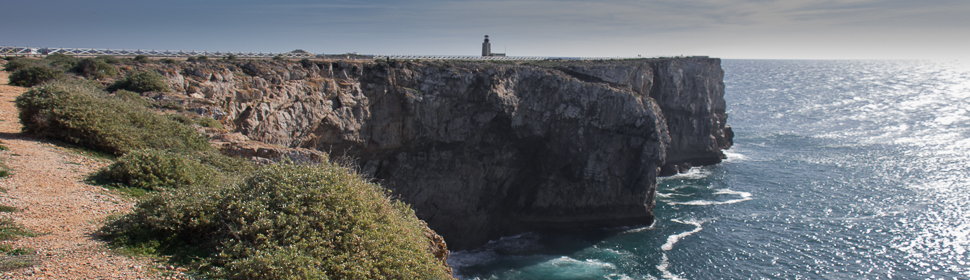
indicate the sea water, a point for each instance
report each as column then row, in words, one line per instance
column 839, row 170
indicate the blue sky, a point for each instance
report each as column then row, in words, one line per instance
column 801, row 29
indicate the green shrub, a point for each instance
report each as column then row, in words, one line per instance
column 93, row 68
column 168, row 61
column 142, row 59
column 20, row 63
column 34, row 75
column 156, row 170
column 182, row 119
column 141, row 82
column 287, row 221
column 110, row 59
column 62, row 61
column 174, row 106
column 79, row 112
column 210, row 122
column 132, row 97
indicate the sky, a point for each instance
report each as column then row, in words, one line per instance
column 732, row 29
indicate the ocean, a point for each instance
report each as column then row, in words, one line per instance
column 839, row 170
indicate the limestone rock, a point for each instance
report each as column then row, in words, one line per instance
column 482, row 149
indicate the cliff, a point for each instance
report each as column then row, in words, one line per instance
column 483, row 149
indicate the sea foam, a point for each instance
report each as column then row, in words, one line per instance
column 671, row 240
column 744, row 196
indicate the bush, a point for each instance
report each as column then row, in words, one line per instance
column 287, row 221
column 168, row 61
column 62, row 61
column 109, row 59
column 132, row 97
column 210, row 122
column 142, row 59
column 21, row 63
column 34, row 75
column 141, row 82
column 79, row 112
column 93, row 68
column 182, row 119
column 174, row 106
column 156, row 170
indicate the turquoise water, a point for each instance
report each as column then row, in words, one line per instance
column 840, row 170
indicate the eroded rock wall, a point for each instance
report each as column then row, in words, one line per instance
column 485, row 149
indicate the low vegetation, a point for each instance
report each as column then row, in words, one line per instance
column 14, row 257
column 29, row 76
column 158, row 170
column 210, row 122
column 141, row 82
column 80, row 113
column 221, row 216
column 96, row 68
column 287, row 221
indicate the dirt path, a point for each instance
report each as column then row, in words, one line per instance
column 47, row 186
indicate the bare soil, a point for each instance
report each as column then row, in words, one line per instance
column 47, row 186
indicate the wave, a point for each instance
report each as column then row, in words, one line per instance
column 745, row 196
column 693, row 174
column 671, row 240
column 639, row 229
column 666, row 274
column 734, row 157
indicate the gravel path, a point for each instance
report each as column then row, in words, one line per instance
column 47, row 186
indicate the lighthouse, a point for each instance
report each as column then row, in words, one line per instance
column 486, row 47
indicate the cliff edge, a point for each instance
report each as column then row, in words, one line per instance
column 484, row 149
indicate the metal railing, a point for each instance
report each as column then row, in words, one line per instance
column 501, row 58
column 26, row 51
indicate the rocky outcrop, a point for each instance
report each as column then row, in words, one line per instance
column 485, row 149
column 689, row 91
column 238, row 145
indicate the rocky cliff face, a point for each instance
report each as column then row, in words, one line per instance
column 485, row 149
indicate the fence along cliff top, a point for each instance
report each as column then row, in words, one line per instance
column 26, row 51
column 42, row 51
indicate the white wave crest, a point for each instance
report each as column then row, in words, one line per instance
column 664, row 273
column 734, row 157
column 671, row 240
column 744, row 196
column 564, row 262
column 692, row 174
